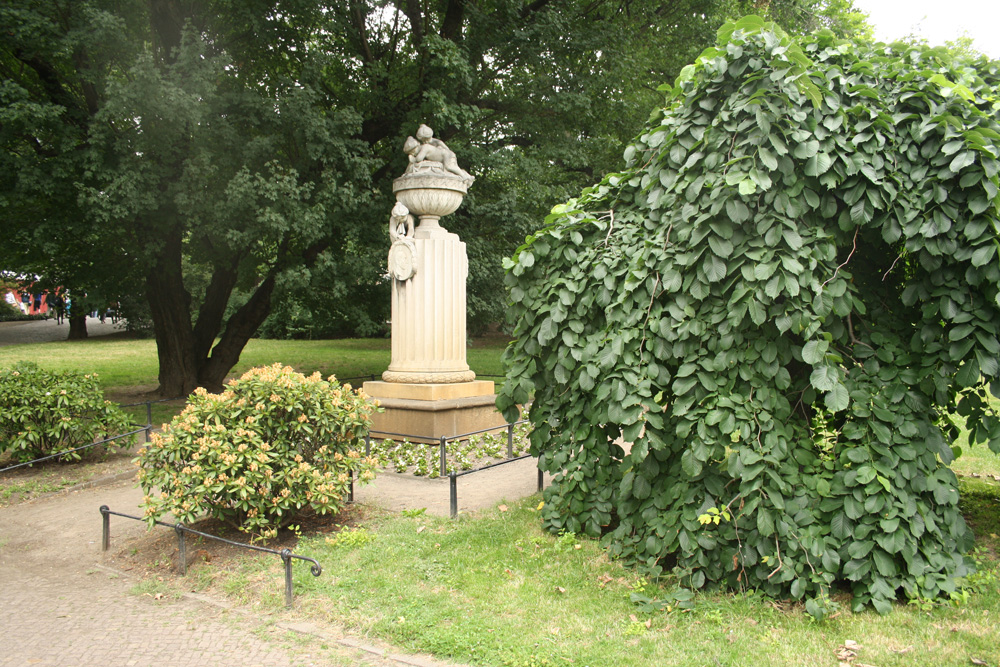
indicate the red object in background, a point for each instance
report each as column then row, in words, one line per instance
column 37, row 304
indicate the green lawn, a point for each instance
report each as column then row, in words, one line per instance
column 132, row 363
column 497, row 590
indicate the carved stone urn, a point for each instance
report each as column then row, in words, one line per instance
column 430, row 195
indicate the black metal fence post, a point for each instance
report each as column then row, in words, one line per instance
column 541, row 479
column 368, row 444
column 286, row 556
column 350, row 487
column 453, row 487
column 149, row 419
column 106, row 528
column 444, row 456
column 180, row 529
column 182, row 563
column 510, row 441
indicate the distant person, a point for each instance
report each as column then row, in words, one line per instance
column 59, row 306
column 25, row 303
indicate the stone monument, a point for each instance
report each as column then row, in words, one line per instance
column 429, row 389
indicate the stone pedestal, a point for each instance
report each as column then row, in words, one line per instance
column 433, row 411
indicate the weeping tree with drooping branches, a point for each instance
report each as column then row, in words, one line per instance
column 787, row 302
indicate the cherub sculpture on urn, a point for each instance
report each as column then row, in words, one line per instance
column 429, row 389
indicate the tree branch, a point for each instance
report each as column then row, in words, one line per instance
column 358, row 20
column 454, row 16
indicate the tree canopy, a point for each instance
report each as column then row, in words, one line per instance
column 787, row 303
column 219, row 155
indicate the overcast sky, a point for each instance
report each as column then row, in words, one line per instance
column 937, row 21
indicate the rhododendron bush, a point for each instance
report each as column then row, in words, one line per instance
column 274, row 444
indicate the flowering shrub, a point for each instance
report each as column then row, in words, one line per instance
column 274, row 443
column 43, row 412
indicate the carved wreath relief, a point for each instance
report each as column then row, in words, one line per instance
column 403, row 253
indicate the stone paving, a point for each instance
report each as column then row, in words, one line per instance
column 46, row 331
column 61, row 605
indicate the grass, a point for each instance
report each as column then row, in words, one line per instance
column 496, row 590
column 127, row 369
column 130, row 363
column 25, row 483
column 30, row 488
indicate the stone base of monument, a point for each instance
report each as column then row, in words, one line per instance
column 428, row 412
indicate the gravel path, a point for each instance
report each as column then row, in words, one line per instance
column 64, row 602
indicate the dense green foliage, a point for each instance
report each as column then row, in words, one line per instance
column 273, row 444
column 779, row 303
column 221, row 157
column 44, row 413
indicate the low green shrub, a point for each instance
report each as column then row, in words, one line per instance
column 9, row 313
column 272, row 445
column 44, row 413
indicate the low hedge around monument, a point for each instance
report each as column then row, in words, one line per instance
column 782, row 302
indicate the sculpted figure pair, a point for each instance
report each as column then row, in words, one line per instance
column 425, row 148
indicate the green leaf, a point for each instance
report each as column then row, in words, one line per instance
column 806, row 149
column 818, row 164
column 814, row 351
column 837, row 399
column 767, row 158
column 690, row 464
column 825, row 378
column 715, row 268
column 968, row 375
column 884, row 563
column 640, row 487
column 983, row 254
column 765, row 523
column 962, row 160
column 737, row 210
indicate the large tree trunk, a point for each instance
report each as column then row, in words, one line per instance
column 77, row 327
column 186, row 356
column 241, row 326
column 170, row 308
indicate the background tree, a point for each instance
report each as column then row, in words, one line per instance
column 787, row 302
column 222, row 155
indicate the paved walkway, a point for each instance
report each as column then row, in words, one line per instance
column 61, row 603
column 46, row 331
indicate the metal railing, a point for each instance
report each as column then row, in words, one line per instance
column 148, row 429
column 442, row 445
column 77, row 449
column 286, row 554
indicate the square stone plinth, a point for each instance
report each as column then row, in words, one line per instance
column 428, row 412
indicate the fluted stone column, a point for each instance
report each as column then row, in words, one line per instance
column 428, row 312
